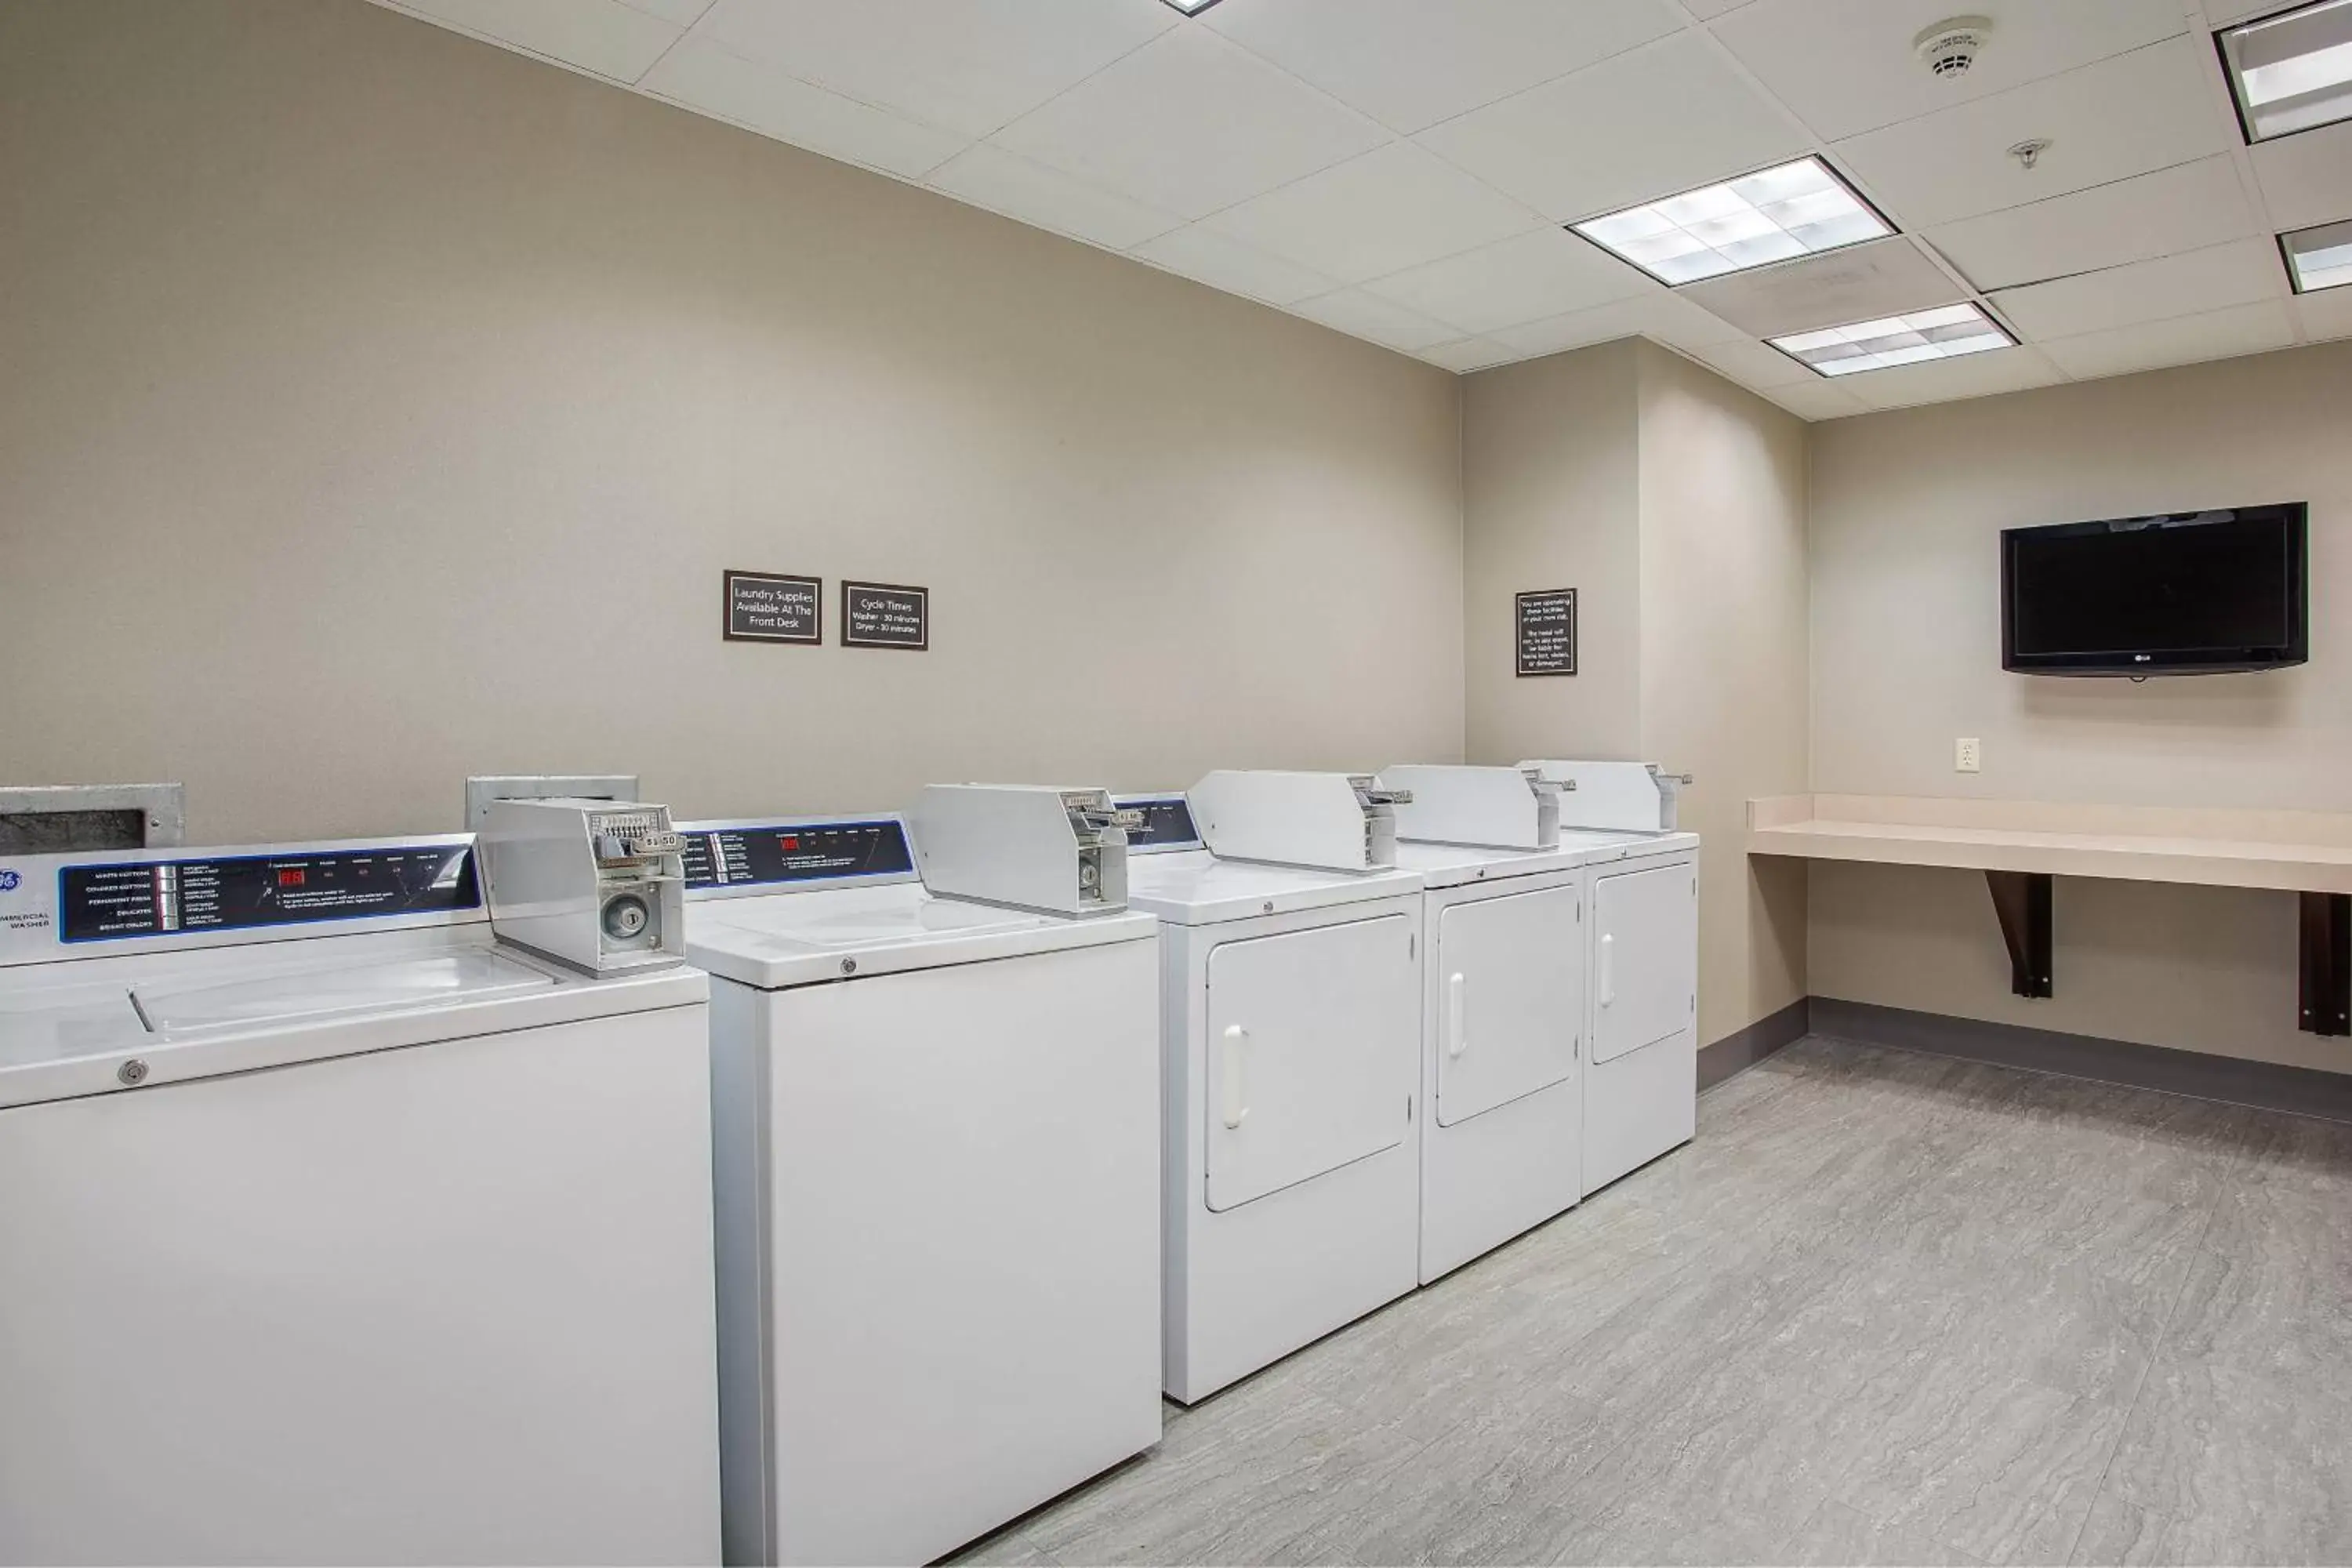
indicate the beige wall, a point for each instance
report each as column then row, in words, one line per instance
column 1674, row 503
column 1723, row 654
column 1551, row 486
column 1906, row 512
column 380, row 406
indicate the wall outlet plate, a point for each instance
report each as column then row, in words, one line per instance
column 1966, row 757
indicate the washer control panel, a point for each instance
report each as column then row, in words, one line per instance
column 106, row 902
column 746, row 856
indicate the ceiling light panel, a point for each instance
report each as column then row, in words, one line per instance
column 2319, row 258
column 1795, row 209
column 1192, row 7
column 1949, row 331
column 2292, row 71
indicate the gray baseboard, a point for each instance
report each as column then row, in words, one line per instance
column 2268, row 1086
column 1743, row 1048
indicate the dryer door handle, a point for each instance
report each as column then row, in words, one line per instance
column 1237, row 1107
column 1608, row 969
column 1455, row 1042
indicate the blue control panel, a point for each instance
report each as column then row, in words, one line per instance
column 1167, row 822
column 789, row 852
column 114, row 900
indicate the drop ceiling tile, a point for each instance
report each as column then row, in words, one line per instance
column 1362, row 315
column 1651, row 123
column 702, row 76
column 1845, row 67
column 602, row 37
column 1395, row 207
column 1410, row 63
column 1756, row 366
column 1227, row 264
column 1813, row 398
column 677, row 13
column 1191, row 123
column 1945, row 379
column 1654, row 313
column 1465, row 354
column 2325, row 315
column 1890, row 277
column 2306, row 178
column 968, row 65
column 2239, row 273
column 2184, row 209
column 1546, row 272
column 992, row 178
column 2223, row 12
column 2123, row 116
column 1707, row 10
column 2218, row 335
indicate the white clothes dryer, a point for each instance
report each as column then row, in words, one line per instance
column 1640, row 1086
column 1291, row 1036
column 1504, row 1005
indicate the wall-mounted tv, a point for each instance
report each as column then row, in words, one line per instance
column 2187, row 593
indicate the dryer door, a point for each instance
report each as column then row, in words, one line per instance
column 1644, row 957
column 1314, row 1041
column 1509, row 1000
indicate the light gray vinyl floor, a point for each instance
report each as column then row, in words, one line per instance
column 1886, row 1308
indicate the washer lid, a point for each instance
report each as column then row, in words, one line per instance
column 797, row 939
column 1196, row 887
column 193, row 1007
column 1459, row 865
column 131, row 1021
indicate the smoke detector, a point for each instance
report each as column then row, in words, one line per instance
column 1948, row 48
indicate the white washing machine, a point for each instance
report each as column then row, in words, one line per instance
column 1641, row 1080
column 1292, row 1041
column 338, row 1229
column 1503, row 998
column 938, row 1143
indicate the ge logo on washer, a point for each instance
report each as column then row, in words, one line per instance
column 9, row 881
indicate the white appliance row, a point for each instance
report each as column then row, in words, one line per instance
column 384, row 1171
column 1385, row 1058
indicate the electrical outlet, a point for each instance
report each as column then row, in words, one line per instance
column 1966, row 757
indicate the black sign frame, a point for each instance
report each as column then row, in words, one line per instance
column 1546, row 661
column 849, row 589
column 727, row 627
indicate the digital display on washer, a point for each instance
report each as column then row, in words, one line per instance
column 1167, row 822
column 238, row 892
column 794, row 852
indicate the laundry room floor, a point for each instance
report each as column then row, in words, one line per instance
column 1887, row 1308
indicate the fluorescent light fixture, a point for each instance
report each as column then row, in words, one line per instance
column 1946, row 332
column 1794, row 210
column 2318, row 258
column 1190, row 7
column 2291, row 71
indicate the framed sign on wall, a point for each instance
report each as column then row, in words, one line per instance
column 885, row 615
column 1547, row 631
column 762, row 606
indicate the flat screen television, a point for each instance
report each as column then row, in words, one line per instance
column 2187, row 593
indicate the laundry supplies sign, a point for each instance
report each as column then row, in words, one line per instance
column 1546, row 637
column 884, row 615
column 762, row 607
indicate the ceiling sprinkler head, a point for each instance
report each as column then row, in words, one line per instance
column 2029, row 154
column 1949, row 47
